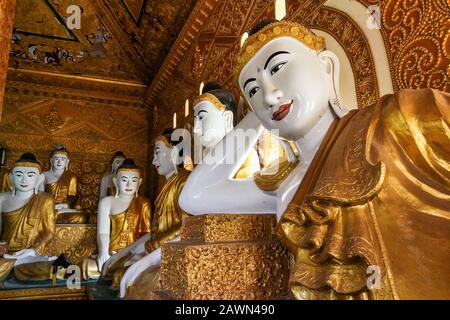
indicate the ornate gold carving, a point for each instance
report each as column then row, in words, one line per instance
column 52, row 293
column 77, row 242
column 53, row 121
column 270, row 182
column 230, row 257
column 192, row 27
column 224, row 227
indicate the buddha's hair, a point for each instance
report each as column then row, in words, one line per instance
column 261, row 24
column 60, row 147
column 119, row 154
column 168, row 134
column 225, row 97
column 128, row 164
column 28, row 157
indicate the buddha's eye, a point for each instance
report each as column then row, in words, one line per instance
column 277, row 68
column 253, row 91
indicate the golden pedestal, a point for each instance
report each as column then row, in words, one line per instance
column 225, row 257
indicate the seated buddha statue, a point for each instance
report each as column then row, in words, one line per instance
column 107, row 186
column 63, row 186
column 363, row 204
column 142, row 258
column 27, row 222
column 124, row 217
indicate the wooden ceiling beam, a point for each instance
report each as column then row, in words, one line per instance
column 122, row 38
column 191, row 28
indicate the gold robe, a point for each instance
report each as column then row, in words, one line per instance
column 166, row 225
column 130, row 225
column 65, row 190
column 247, row 169
column 31, row 226
column 376, row 194
column 5, row 181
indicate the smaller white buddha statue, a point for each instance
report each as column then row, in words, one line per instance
column 63, row 186
column 124, row 217
column 107, row 187
column 145, row 254
column 27, row 222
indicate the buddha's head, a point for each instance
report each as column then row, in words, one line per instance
column 127, row 179
column 287, row 77
column 163, row 154
column 26, row 174
column 116, row 161
column 214, row 112
column 59, row 159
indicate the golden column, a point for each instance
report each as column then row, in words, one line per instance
column 7, row 11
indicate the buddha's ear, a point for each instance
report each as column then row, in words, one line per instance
column 11, row 180
column 333, row 68
column 67, row 164
column 40, row 180
column 228, row 120
column 116, row 185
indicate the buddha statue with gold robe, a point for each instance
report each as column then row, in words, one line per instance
column 363, row 203
column 124, row 217
column 63, row 186
column 140, row 261
column 107, row 187
column 27, row 223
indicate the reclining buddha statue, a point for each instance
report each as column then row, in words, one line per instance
column 363, row 202
column 107, row 186
column 214, row 114
column 27, row 223
column 124, row 217
column 63, row 186
column 144, row 255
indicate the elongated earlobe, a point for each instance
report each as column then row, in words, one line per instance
column 139, row 185
column 116, row 186
column 39, row 182
column 67, row 164
column 333, row 69
column 228, row 117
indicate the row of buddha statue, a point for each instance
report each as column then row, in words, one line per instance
column 358, row 189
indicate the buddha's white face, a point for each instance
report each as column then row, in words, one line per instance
column 116, row 163
column 59, row 162
column 162, row 159
column 211, row 124
column 26, row 178
column 288, row 86
column 128, row 182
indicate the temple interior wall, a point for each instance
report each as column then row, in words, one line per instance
column 92, row 132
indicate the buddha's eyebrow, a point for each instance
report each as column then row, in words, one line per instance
column 248, row 81
column 273, row 56
column 202, row 111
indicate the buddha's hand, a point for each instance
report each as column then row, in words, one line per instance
column 138, row 248
column 134, row 258
column 61, row 206
column 101, row 259
column 21, row 254
column 112, row 261
column 133, row 272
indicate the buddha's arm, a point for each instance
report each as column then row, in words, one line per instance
column 210, row 188
column 103, row 230
column 72, row 195
column 104, row 187
column 162, row 237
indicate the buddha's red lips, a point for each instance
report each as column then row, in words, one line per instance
column 282, row 111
